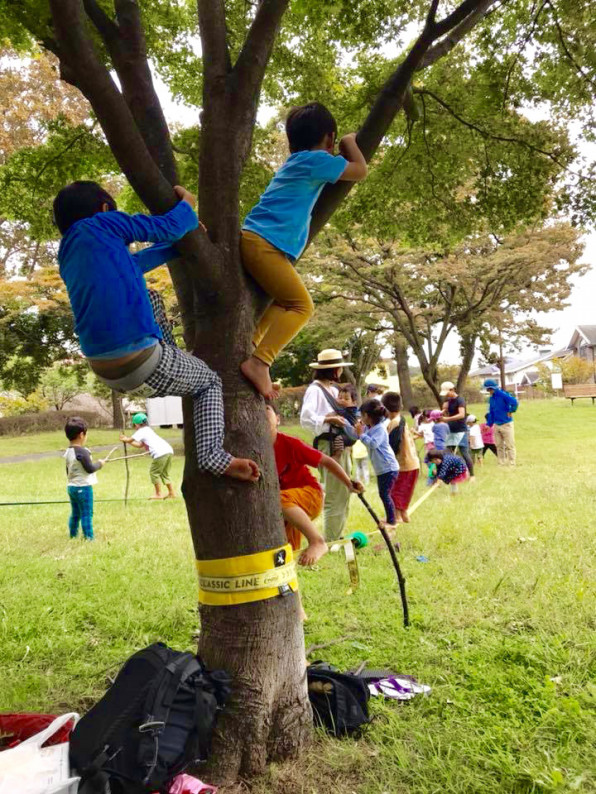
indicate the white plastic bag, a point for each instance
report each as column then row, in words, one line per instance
column 30, row 768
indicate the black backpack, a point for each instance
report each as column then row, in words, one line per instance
column 156, row 719
column 339, row 700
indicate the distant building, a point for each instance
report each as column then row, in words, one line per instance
column 583, row 342
column 518, row 373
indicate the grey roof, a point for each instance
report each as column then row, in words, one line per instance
column 589, row 331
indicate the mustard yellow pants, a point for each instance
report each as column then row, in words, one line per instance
column 292, row 306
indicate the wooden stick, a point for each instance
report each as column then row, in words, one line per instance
column 129, row 457
column 423, row 498
column 111, row 452
column 127, row 473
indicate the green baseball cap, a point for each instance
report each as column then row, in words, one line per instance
column 139, row 419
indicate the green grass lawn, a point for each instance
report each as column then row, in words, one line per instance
column 503, row 616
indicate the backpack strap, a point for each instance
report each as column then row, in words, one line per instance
column 157, row 709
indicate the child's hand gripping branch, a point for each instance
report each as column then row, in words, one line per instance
column 276, row 230
column 114, row 319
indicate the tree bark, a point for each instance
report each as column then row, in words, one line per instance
column 117, row 412
column 468, row 348
column 400, row 348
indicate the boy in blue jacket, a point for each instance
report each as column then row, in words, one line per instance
column 501, row 406
column 114, row 319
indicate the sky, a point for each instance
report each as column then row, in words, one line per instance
column 581, row 309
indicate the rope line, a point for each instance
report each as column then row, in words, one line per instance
column 67, row 502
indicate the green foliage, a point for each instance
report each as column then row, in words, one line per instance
column 576, row 370
column 18, row 405
column 61, row 382
column 32, row 176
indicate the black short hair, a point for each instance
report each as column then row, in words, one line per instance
column 74, row 427
column 307, row 125
column 273, row 406
column 435, row 453
column 325, row 374
column 414, row 410
column 79, row 200
column 375, row 409
column 349, row 388
column 392, row 401
column 375, row 388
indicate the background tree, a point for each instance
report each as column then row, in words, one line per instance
column 425, row 296
column 262, row 643
column 61, row 383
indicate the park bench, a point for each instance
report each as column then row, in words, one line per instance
column 580, row 390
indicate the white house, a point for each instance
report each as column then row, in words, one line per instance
column 583, row 342
column 520, row 374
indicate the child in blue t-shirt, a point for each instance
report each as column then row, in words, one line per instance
column 373, row 434
column 114, row 319
column 275, row 232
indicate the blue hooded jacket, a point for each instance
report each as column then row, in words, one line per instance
column 501, row 404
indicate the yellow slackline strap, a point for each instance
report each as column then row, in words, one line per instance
column 337, row 544
column 251, row 577
column 352, row 561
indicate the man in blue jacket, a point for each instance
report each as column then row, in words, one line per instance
column 501, row 407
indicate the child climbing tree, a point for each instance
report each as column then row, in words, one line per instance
column 260, row 643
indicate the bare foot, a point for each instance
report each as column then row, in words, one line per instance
column 170, row 496
column 257, row 372
column 156, row 497
column 243, row 469
column 405, row 517
column 313, row 552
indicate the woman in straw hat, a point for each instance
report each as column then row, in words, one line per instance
column 316, row 416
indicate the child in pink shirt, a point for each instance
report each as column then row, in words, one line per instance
column 488, row 437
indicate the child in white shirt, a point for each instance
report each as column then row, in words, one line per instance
column 159, row 449
column 476, row 442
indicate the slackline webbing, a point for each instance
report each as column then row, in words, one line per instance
column 67, row 501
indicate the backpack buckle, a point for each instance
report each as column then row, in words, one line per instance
column 154, row 727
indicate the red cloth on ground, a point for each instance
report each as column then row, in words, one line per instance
column 403, row 488
column 292, row 458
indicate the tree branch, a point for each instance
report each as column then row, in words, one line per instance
column 388, row 103
column 566, row 50
column 126, row 46
column 453, row 38
column 216, row 54
column 505, row 138
column 256, row 52
column 80, row 66
column 106, row 27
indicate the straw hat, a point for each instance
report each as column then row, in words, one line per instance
column 330, row 359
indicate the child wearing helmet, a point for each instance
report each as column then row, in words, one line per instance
column 161, row 453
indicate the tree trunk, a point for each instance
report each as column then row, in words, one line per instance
column 502, row 363
column 117, row 411
column 260, row 644
column 400, row 348
column 468, row 348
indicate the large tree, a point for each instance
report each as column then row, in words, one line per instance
column 305, row 42
column 482, row 285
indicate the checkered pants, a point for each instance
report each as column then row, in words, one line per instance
column 180, row 374
column 81, row 504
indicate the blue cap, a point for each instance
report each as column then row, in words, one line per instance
column 490, row 384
